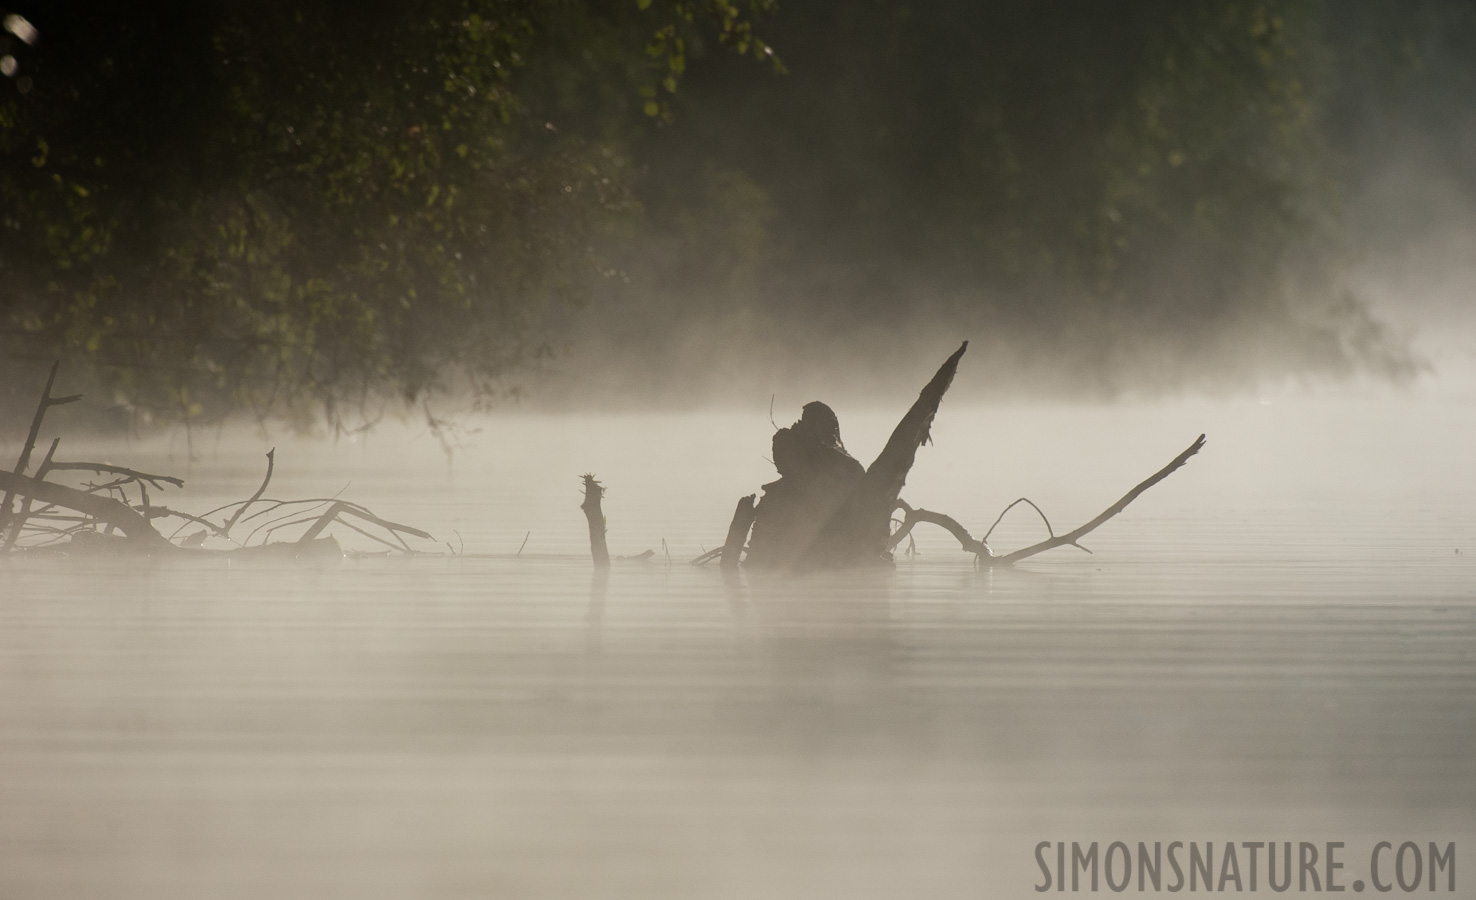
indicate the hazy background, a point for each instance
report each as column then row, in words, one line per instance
column 299, row 212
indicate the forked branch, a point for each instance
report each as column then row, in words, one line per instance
column 913, row 515
column 1073, row 537
column 980, row 548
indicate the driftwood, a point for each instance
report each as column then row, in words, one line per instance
column 859, row 531
column 980, row 548
column 1073, row 537
column 105, row 510
column 102, row 516
column 826, row 511
column 738, row 533
column 856, row 527
column 593, row 492
column 10, row 529
column 913, row 516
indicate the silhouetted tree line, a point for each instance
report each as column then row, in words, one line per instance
column 289, row 208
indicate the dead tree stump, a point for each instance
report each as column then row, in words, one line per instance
column 826, row 510
column 593, row 492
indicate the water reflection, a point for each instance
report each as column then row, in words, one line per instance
column 599, row 589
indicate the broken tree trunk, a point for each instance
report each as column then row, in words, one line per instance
column 593, row 491
column 738, row 533
column 821, row 514
column 858, row 532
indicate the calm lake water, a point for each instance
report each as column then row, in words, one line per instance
column 1278, row 643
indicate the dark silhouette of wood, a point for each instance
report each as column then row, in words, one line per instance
column 336, row 513
column 859, row 531
column 738, row 532
column 105, row 510
column 124, row 473
column 25, row 510
column 816, row 477
column 24, row 461
column 225, row 528
column 708, row 556
column 858, row 514
column 1002, row 513
column 914, row 515
column 1073, row 537
column 136, row 533
column 980, row 548
column 593, row 493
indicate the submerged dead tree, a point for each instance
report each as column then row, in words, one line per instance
column 118, row 514
column 595, row 517
column 827, row 511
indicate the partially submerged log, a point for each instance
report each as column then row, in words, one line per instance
column 816, row 478
column 102, row 517
column 824, row 512
column 595, row 517
column 105, row 511
column 738, row 529
column 858, row 532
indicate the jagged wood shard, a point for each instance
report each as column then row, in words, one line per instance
column 858, row 532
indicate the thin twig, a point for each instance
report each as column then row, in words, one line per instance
column 1072, row 537
column 271, row 462
column 271, row 522
column 323, row 522
column 126, row 474
column 1043, row 518
column 708, row 557
column 374, row 537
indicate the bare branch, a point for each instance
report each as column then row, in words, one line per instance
column 25, row 510
column 125, row 473
column 1001, row 516
column 948, row 523
column 24, row 461
column 105, row 510
column 271, row 462
column 708, row 557
column 1072, row 537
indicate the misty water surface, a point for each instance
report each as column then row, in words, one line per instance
column 1276, row 643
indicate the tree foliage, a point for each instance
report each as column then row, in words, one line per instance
column 286, row 206
column 1132, row 194
column 289, row 206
